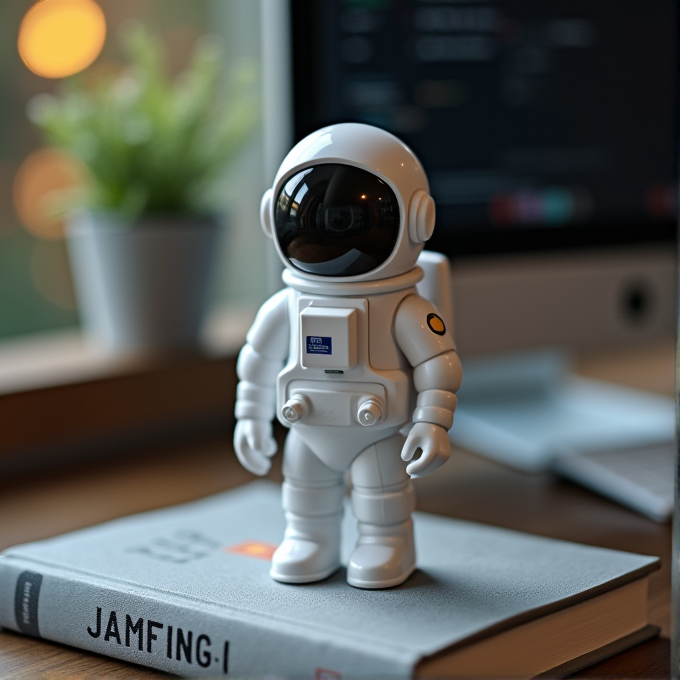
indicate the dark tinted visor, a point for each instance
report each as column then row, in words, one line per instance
column 336, row 220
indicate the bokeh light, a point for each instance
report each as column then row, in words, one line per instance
column 39, row 186
column 51, row 273
column 58, row 38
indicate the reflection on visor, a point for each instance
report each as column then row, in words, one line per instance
column 343, row 218
column 353, row 261
column 336, row 220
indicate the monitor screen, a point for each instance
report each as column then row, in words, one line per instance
column 541, row 125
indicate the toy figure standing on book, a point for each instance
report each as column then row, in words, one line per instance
column 336, row 355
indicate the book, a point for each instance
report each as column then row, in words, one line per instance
column 187, row 590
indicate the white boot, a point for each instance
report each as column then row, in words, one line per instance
column 310, row 550
column 384, row 555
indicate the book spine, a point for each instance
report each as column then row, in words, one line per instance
column 178, row 636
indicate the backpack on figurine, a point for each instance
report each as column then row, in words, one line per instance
column 436, row 284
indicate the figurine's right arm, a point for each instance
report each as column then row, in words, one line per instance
column 258, row 366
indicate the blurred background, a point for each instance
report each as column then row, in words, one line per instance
column 36, row 290
column 541, row 131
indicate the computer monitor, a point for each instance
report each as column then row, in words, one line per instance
column 548, row 132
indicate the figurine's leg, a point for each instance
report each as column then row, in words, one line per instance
column 312, row 499
column 382, row 500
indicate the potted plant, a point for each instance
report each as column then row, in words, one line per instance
column 142, row 230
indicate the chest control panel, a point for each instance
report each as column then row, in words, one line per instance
column 328, row 337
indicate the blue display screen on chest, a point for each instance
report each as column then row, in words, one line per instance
column 319, row 344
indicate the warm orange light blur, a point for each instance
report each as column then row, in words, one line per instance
column 39, row 180
column 51, row 274
column 257, row 549
column 58, row 38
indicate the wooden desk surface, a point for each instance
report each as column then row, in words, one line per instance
column 467, row 487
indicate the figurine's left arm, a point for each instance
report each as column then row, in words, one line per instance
column 258, row 366
column 422, row 336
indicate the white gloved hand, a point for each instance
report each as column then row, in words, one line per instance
column 433, row 442
column 254, row 445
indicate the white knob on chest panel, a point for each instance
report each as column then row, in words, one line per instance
column 295, row 409
column 369, row 413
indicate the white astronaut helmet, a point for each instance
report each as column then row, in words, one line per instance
column 350, row 202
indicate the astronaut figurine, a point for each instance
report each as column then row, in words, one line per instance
column 347, row 355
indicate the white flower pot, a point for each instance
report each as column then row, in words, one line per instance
column 142, row 286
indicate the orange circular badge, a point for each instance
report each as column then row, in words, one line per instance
column 435, row 324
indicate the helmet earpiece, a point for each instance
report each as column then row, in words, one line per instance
column 266, row 213
column 421, row 217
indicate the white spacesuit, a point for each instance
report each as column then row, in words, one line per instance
column 340, row 353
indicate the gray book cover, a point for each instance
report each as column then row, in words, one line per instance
column 187, row 590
